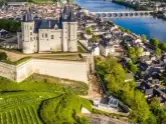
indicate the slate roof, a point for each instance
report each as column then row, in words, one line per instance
column 27, row 17
column 149, row 92
column 47, row 24
column 66, row 16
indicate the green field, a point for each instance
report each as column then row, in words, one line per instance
column 40, row 100
column 21, row 107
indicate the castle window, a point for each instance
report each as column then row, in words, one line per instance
column 46, row 35
column 31, row 38
column 30, row 28
column 52, row 36
column 42, row 35
column 30, row 33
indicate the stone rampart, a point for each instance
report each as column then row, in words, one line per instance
column 73, row 70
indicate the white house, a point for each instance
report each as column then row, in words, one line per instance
column 106, row 50
column 95, row 49
column 138, row 41
column 145, row 53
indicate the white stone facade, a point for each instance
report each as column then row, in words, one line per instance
column 47, row 40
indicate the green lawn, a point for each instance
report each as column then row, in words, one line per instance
column 38, row 82
column 35, row 100
column 22, row 107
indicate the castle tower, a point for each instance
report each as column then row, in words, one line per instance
column 27, row 27
column 69, row 30
column 72, row 43
column 65, row 36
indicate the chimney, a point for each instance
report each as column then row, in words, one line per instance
column 49, row 23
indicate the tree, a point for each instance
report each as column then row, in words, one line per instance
column 2, row 2
column 131, row 53
column 138, row 51
column 140, row 108
column 158, row 51
column 158, row 111
column 150, row 120
column 10, row 25
column 64, row 109
column 128, row 31
column 154, row 104
column 154, row 42
column 143, row 37
column 95, row 38
column 133, row 68
column 162, row 46
column 88, row 31
column 163, row 77
column 122, row 29
column 70, row 1
column 112, row 72
column 3, row 56
column 114, row 75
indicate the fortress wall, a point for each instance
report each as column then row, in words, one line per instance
column 8, row 71
column 63, row 69
column 24, row 70
column 72, row 70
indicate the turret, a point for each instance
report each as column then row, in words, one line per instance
column 27, row 34
column 72, row 32
column 69, row 30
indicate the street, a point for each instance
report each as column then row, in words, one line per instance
column 100, row 119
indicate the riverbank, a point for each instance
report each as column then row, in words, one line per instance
column 127, row 4
column 150, row 26
column 159, row 15
column 137, row 7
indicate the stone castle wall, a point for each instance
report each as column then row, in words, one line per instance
column 72, row 70
column 8, row 71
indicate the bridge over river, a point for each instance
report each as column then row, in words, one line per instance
column 122, row 14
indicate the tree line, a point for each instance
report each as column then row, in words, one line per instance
column 10, row 25
column 114, row 76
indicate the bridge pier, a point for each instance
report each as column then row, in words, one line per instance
column 122, row 14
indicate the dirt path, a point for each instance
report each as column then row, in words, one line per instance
column 14, row 56
column 94, row 88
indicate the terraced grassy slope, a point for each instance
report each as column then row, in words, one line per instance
column 21, row 115
column 22, row 107
column 33, row 102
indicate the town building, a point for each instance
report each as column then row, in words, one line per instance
column 40, row 35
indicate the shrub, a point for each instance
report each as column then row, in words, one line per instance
column 3, row 56
column 64, row 109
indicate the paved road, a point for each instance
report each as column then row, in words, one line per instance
column 99, row 119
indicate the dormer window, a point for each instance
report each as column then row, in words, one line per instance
column 55, row 26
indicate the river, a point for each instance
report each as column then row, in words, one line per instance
column 151, row 27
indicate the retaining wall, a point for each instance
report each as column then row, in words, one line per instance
column 73, row 70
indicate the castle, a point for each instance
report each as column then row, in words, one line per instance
column 41, row 35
